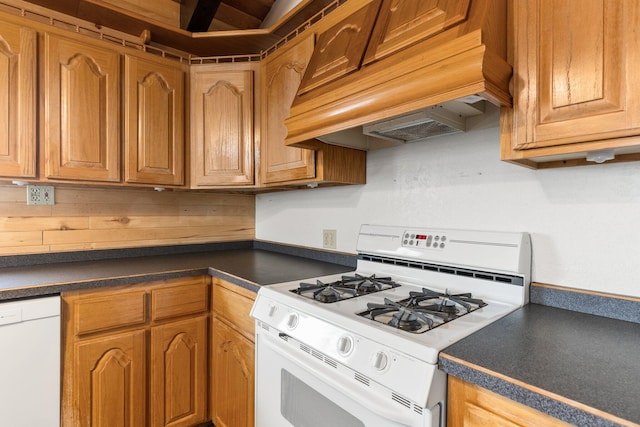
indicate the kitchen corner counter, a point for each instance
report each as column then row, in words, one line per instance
column 580, row 368
column 248, row 264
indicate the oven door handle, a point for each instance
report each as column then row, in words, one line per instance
column 374, row 402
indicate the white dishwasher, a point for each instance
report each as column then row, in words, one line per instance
column 30, row 362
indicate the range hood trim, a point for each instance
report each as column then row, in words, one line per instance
column 450, row 66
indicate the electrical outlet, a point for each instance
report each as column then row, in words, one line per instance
column 329, row 239
column 40, row 195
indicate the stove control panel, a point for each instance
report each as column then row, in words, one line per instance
column 424, row 241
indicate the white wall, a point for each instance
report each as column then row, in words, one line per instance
column 584, row 221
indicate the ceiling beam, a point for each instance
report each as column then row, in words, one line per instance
column 202, row 15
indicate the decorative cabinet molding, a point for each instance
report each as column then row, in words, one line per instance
column 573, row 69
column 222, row 125
column 18, row 95
column 153, row 121
column 81, row 131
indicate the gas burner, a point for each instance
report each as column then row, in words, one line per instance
column 422, row 311
column 345, row 288
column 325, row 292
column 446, row 302
column 369, row 284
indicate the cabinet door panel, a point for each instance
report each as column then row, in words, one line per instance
column 340, row 49
column 404, row 22
column 17, row 101
column 573, row 74
column 233, row 377
column 179, row 373
column 110, row 373
column 282, row 74
column 154, row 122
column 222, row 127
column 81, row 111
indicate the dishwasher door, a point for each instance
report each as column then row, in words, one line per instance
column 30, row 362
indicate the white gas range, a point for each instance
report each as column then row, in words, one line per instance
column 361, row 348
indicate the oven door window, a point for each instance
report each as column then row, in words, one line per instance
column 294, row 389
column 301, row 405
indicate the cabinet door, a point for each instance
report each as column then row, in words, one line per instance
column 281, row 76
column 154, row 121
column 574, row 69
column 222, row 149
column 110, row 381
column 17, row 101
column 233, row 377
column 340, row 49
column 404, row 22
column 179, row 373
column 81, row 85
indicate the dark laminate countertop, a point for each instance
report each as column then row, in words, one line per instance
column 248, row 267
column 579, row 367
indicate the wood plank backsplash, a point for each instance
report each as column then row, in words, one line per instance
column 85, row 218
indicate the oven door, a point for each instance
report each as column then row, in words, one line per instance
column 297, row 389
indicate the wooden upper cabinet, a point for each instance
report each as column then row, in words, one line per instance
column 81, row 110
column 574, row 81
column 222, row 125
column 404, row 22
column 17, row 101
column 154, row 121
column 340, row 49
column 281, row 75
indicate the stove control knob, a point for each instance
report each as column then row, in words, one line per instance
column 345, row 345
column 380, row 361
column 272, row 310
column 292, row 320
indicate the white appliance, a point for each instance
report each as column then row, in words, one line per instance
column 361, row 349
column 30, row 362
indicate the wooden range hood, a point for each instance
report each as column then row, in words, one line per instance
column 377, row 59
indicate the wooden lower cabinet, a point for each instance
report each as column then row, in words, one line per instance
column 232, row 385
column 233, row 377
column 179, row 373
column 137, row 355
column 109, row 381
column 473, row 406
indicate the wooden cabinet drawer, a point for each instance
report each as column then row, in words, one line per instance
column 188, row 296
column 234, row 304
column 104, row 311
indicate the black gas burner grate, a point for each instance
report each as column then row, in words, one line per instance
column 423, row 310
column 345, row 288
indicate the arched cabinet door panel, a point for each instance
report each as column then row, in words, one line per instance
column 17, row 101
column 154, row 121
column 81, row 132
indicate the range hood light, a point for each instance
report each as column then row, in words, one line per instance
column 428, row 123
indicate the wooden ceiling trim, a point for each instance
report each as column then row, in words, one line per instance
column 206, row 44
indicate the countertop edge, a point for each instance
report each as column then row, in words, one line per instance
column 549, row 403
